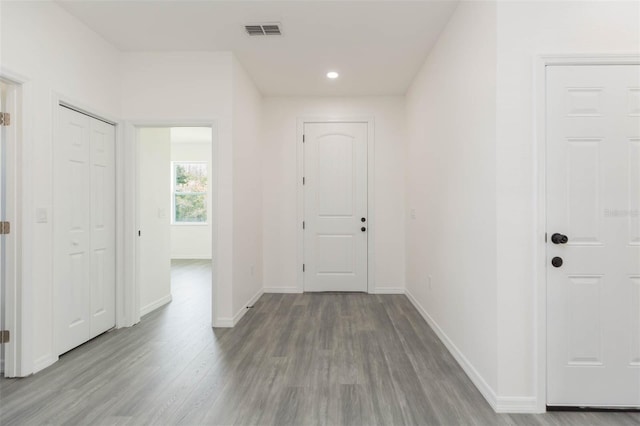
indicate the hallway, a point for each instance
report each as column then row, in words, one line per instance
column 294, row 359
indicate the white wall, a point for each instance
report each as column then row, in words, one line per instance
column 154, row 217
column 179, row 88
column 451, row 195
column 192, row 241
column 54, row 53
column 525, row 30
column 471, row 125
column 247, row 191
column 279, row 183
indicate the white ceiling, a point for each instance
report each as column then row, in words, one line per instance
column 377, row 46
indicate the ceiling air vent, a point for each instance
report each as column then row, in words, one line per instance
column 263, row 29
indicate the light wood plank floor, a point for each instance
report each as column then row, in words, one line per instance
column 317, row 359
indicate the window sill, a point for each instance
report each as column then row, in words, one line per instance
column 190, row 224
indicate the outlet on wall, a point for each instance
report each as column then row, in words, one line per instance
column 252, row 269
column 429, row 282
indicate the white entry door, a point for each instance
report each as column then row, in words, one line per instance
column 593, row 199
column 84, row 229
column 335, row 207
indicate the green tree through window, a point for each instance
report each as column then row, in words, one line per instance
column 189, row 192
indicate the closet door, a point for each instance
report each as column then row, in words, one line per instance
column 83, row 223
column 103, row 261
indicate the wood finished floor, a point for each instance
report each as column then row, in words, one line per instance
column 312, row 359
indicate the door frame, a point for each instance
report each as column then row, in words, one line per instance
column 132, row 211
column 540, row 199
column 369, row 121
column 15, row 297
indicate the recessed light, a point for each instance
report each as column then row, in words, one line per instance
column 332, row 75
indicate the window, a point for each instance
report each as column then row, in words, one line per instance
column 190, row 192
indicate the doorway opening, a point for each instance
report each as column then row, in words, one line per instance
column 175, row 217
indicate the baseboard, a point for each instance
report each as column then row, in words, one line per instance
column 190, row 257
column 282, row 290
column 155, row 305
column 517, row 404
column 484, row 388
column 388, row 290
column 44, row 362
column 238, row 316
column 223, row 323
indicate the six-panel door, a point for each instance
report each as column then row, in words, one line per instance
column 593, row 197
column 84, row 229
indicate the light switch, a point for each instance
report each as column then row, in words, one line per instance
column 42, row 215
column 162, row 213
column 413, row 213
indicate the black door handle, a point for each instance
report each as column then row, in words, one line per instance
column 363, row 229
column 559, row 239
column 362, row 219
column 557, row 262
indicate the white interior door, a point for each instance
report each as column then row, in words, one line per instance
column 593, row 198
column 84, row 229
column 335, row 207
column 103, row 201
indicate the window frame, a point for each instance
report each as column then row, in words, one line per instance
column 174, row 165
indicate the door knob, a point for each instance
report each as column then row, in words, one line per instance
column 557, row 262
column 559, row 239
column 363, row 229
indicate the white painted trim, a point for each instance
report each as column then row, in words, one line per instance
column 389, row 290
column 477, row 379
column 540, row 196
column 223, row 322
column 282, row 290
column 19, row 303
column 191, row 257
column 43, row 362
column 245, row 308
column 370, row 121
column 155, row 305
column 131, row 213
column 231, row 322
column 517, row 404
column 126, row 172
column 14, row 214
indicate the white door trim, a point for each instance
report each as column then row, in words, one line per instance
column 371, row 229
column 131, row 212
column 540, row 246
column 19, row 303
column 13, row 300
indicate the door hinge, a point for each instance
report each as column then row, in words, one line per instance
column 5, row 228
column 303, row 180
column 303, row 224
column 303, row 267
column 139, row 233
column 4, row 336
column 545, row 237
column 303, row 138
column 5, row 119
